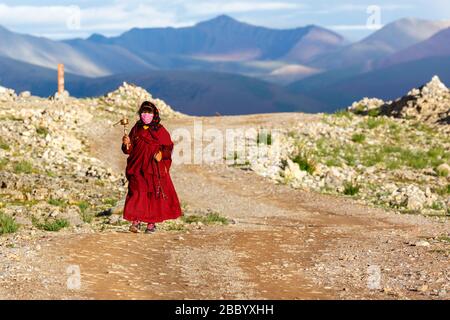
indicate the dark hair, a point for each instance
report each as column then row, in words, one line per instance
column 147, row 105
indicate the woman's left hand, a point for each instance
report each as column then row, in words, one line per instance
column 158, row 156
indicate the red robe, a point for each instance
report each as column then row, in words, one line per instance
column 151, row 194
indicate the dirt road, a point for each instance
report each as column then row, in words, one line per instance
column 283, row 244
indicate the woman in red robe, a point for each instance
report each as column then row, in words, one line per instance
column 151, row 196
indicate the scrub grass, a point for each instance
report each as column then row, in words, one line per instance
column 57, row 202
column 42, row 131
column 4, row 145
column 358, row 138
column 110, row 202
column 351, row 189
column 172, row 225
column 210, row 218
column 51, row 225
column 23, row 167
column 7, row 224
column 305, row 162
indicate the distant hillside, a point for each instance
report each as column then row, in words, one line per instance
column 94, row 60
column 387, row 83
column 205, row 93
column 390, row 39
column 221, row 44
column 437, row 45
column 228, row 45
column 40, row 81
column 191, row 92
column 226, row 39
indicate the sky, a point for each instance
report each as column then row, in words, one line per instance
column 79, row 19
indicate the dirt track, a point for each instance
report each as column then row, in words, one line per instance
column 284, row 244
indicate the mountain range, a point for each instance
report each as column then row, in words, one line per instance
column 191, row 92
column 403, row 54
column 227, row 66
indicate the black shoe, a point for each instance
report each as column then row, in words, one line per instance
column 151, row 229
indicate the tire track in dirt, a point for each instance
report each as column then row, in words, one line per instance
column 281, row 241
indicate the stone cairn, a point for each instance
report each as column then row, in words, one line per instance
column 429, row 104
column 130, row 96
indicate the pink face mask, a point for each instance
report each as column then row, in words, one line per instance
column 146, row 117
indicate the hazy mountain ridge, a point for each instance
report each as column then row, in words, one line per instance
column 208, row 93
column 435, row 46
column 192, row 92
column 383, row 74
column 221, row 35
column 305, row 59
column 390, row 39
column 387, row 83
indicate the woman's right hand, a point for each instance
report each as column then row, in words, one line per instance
column 126, row 140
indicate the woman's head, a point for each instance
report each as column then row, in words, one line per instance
column 147, row 107
column 149, row 114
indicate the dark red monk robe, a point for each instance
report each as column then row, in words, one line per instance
column 151, row 194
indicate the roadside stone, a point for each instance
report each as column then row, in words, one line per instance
column 422, row 243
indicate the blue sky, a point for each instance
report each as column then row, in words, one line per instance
column 71, row 19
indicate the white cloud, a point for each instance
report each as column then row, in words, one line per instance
column 218, row 7
column 355, row 27
column 363, row 7
column 112, row 17
column 57, row 20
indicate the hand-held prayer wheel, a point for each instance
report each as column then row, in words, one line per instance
column 123, row 122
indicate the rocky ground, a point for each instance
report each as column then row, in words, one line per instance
column 316, row 215
column 397, row 161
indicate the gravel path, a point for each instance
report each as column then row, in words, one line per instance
column 283, row 243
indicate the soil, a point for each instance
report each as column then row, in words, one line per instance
column 282, row 243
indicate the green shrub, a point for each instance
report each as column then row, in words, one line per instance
column 374, row 112
column 372, row 158
column 351, row 188
column 7, row 224
column 210, row 218
column 343, row 113
column 57, row 202
column 350, row 155
column 4, row 145
column 51, row 174
column 359, row 109
column 83, row 205
column 333, row 162
column 42, row 131
column 373, row 123
column 305, row 163
column 437, row 205
column 442, row 172
column 87, row 217
column 444, row 190
column 51, row 225
column 3, row 163
column 23, row 167
column 215, row 217
column 358, row 137
column 172, row 225
column 110, row 202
